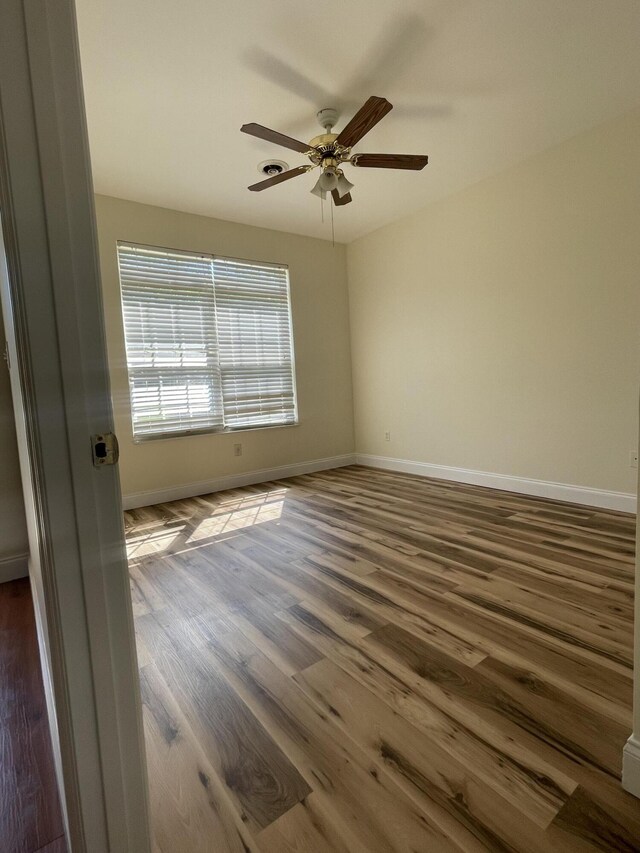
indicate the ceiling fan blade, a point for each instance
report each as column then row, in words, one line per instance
column 278, row 179
column 340, row 200
column 391, row 161
column 367, row 117
column 275, row 137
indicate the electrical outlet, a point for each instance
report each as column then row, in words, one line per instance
column 387, row 436
column 237, row 450
column 633, row 458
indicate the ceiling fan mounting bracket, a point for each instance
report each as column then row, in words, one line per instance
column 328, row 118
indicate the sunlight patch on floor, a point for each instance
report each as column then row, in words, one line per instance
column 156, row 541
column 240, row 514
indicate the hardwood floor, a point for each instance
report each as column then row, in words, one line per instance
column 358, row 660
column 30, row 817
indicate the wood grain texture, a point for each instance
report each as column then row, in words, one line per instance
column 392, row 161
column 59, row 845
column 339, row 200
column 274, row 136
column 358, row 660
column 30, row 816
column 278, row 179
column 370, row 113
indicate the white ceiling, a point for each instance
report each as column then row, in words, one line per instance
column 476, row 84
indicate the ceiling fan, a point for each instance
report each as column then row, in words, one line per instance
column 330, row 151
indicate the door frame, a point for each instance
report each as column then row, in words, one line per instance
column 62, row 399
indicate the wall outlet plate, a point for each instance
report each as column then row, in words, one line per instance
column 387, row 436
column 237, row 450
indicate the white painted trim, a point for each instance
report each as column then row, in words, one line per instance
column 60, row 383
column 631, row 766
column 233, row 481
column 626, row 502
column 12, row 568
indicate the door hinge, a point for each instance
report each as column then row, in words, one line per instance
column 105, row 449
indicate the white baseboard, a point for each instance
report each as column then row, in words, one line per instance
column 624, row 501
column 631, row 766
column 12, row 568
column 233, row 481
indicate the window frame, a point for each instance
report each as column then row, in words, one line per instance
column 174, row 434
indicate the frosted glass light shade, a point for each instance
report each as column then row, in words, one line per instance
column 343, row 186
column 317, row 190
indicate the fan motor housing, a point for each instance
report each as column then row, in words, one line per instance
column 324, row 142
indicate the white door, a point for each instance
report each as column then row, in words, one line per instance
column 61, row 395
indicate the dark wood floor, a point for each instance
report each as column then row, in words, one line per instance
column 30, row 817
column 357, row 661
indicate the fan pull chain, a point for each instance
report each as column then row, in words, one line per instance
column 322, row 209
column 333, row 236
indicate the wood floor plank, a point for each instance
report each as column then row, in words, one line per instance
column 604, row 642
column 600, row 596
column 305, row 585
column 424, row 769
column 498, row 547
column 591, row 613
column 258, row 774
column 183, row 784
column 465, row 617
column 341, row 774
column 585, row 733
column 501, row 636
column 497, row 690
column 58, row 845
column 501, row 762
column 583, row 818
column 30, row 815
column 370, row 661
column 309, row 827
column 392, row 600
column 276, row 640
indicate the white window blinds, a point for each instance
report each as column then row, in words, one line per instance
column 209, row 342
column 254, row 343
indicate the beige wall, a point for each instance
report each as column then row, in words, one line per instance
column 321, row 339
column 13, row 528
column 499, row 329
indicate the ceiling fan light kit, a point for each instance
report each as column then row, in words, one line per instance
column 328, row 180
column 329, row 151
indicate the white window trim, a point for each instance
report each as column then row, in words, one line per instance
column 195, row 433
column 208, row 431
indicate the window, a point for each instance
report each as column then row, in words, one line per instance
column 209, row 342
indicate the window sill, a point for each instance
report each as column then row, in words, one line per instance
column 144, row 439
